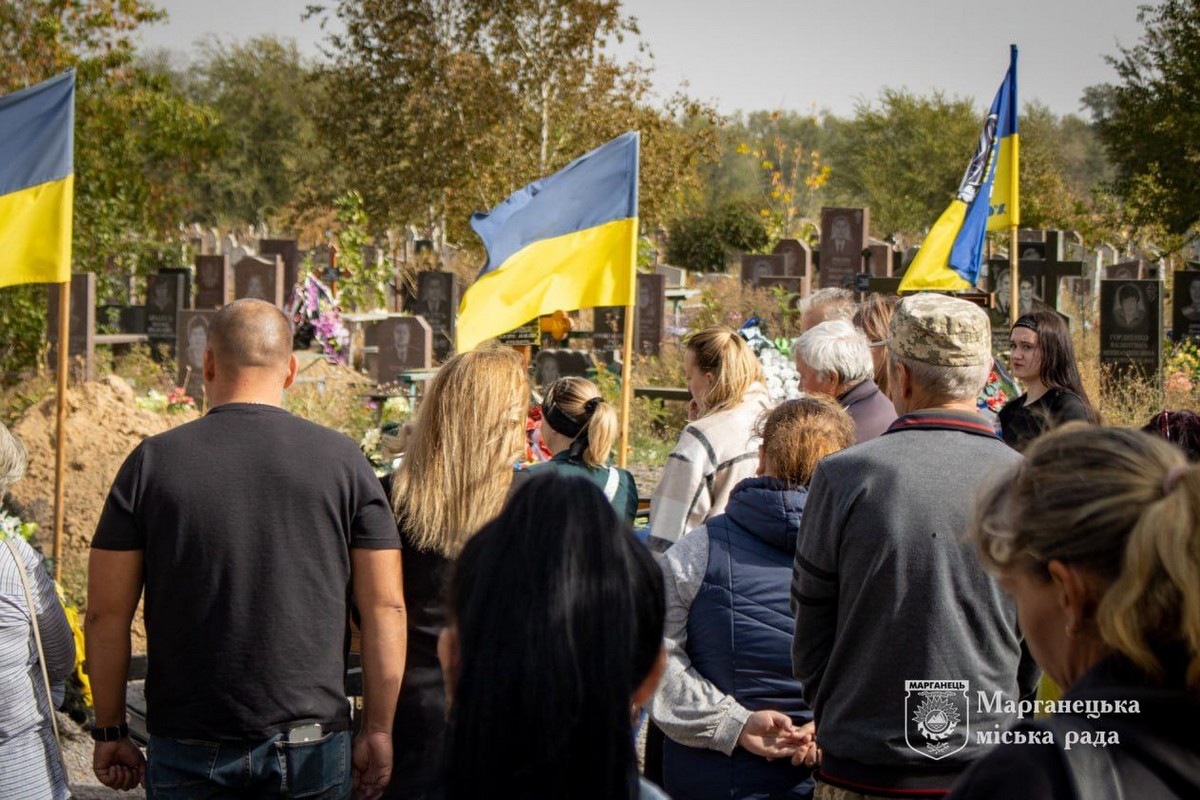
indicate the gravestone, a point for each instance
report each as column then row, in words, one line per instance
column 1041, row 262
column 81, row 335
column 186, row 275
column 608, row 328
column 527, row 335
column 164, row 301
column 212, row 281
column 756, row 267
column 676, row 277
column 192, row 335
column 1185, row 317
column 1131, row 327
column 882, row 262
column 843, row 236
column 437, row 302
column 289, row 251
column 651, row 305
column 550, row 365
column 801, row 257
column 403, row 343
column 260, row 277
column 133, row 319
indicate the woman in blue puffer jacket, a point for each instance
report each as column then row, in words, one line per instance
column 736, row 723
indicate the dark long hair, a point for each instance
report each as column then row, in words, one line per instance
column 560, row 615
column 1059, row 370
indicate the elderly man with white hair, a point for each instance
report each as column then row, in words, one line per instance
column 834, row 358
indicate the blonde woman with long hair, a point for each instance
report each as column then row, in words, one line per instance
column 580, row 428
column 1096, row 536
column 456, row 473
column 719, row 447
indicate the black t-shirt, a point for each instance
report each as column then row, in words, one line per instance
column 246, row 518
column 1021, row 423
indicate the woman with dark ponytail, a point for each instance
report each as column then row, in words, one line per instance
column 1096, row 536
column 580, row 428
column 554, row 640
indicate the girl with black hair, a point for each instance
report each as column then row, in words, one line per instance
column 1043, row 359
column 555, row 637
column 580, row 429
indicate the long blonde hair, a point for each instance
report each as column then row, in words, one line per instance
column 468, row 434
column 734, row 367
column 571, row 395
column 1122, row 505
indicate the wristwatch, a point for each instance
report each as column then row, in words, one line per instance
column 110, row 734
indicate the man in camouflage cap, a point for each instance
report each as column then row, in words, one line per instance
column 884, row 590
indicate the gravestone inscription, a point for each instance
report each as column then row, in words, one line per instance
column 1131, row 327
column 164, row 301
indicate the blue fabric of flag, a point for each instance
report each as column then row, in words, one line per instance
column 976, row 188
column 596, row 188
column 37, row 138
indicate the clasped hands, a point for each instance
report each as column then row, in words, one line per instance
column 773, row 735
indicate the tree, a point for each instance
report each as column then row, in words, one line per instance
column 1148, row 121
column 705, row 241
column 451, row 105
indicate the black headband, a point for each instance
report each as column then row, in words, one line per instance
column 562, row 423
column 1026, row 322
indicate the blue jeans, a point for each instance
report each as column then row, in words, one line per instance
column 195, row 770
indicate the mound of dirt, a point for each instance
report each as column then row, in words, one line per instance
column 104, row 424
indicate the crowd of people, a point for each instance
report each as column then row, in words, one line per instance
column 858, row 593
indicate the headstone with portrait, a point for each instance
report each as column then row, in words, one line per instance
column 844, row 233
column 1131, row 327
column 401, row 343
column 608, row 328
column 550, row 365
column 289, row 251
column 527, row 335
column 437, row 302
column 650, row 313
column 1130, row 271
column 757, row 266
column 801, row 256
column 192, row 336
column 212, row 281
column 186, row 275
column 81, row 333
column 164, row 301
column 1185, row 316
column 259, row 277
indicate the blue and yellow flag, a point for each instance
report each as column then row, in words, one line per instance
column 564, row 242
column 37, row 182
column 987, row 200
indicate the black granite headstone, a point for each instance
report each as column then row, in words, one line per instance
column 437, row 302
column 1131, row 327
column 651, row 306
column 81, row 335
column 608, row 328
column 164, row 301
column 844, row 233
column 404, row 343
column 192, row 336
column 212, row 281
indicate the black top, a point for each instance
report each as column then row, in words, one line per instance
column 1156, row 752
column 246, row 518
column 1021, row 423
column 419, row 727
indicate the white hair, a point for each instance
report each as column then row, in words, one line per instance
column 836, row 347
column 12, row 459
column 835, row 303
column 947, row 384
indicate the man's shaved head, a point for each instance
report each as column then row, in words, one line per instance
column 250, row 333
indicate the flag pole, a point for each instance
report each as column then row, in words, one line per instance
column 60, row 439
column 627, row 362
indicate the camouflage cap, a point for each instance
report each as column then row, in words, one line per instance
column 941, row 330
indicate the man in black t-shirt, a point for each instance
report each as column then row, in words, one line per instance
column 250, row 530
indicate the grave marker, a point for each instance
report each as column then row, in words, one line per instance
column 192, row 336
column 1131, row 327
column 81, row 337
column 756, row 267
column 527, row 335
column 437, row 302
column 164, row 301
column 260, row 277
column 651, row 303
column 289, row 251
column 608, row 326
column 186, row 275
column 212, row 281
column 843, row 236
column 1185, row 319
column 403, row 343
column 550, row 365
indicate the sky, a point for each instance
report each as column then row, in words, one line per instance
column 799, row 55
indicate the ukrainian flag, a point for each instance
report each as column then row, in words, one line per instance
column 987, row 200
column 37, row 182
column 564, row 242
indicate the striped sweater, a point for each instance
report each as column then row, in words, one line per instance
column 713, row 455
